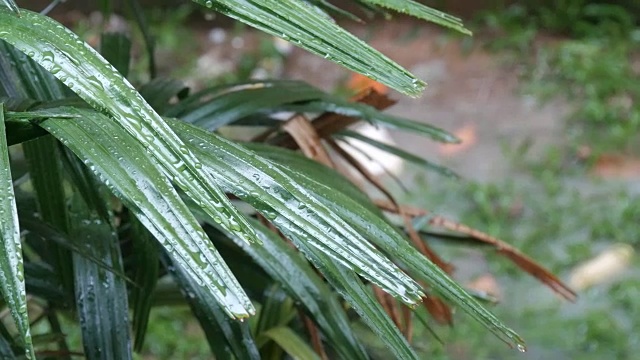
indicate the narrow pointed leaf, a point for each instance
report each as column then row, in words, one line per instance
column 11, row 266
column 43, row 155
column 37, row 227
column 398, row 152
column 146, row 256
column 315, row 170
column 35, row 114
column 85, row 183
column 421, row 11
column 46, row 174
column 101, row 296
column 344, row 280
column 227, row 338
column 85, row 72
column 379, row 231
column 351, row 288
column 299, row 280
column 291, row 342
column 329, row 7
column 12, row 5
column 387, row 238
column 299, row 23
column 257, row 181
column 222, row 105
column 368, row 113
column 27, row 79
column 122, row 165
column 277, row 310
column 372, row 10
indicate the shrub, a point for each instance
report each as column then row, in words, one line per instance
column 122, row 189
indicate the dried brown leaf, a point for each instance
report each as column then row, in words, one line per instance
column 314, row 334
column 372, row 179
column 388, row 304
column 438, row 309
column 330, row 123
column 307, row 139
column 408, row 323
column 513, row 254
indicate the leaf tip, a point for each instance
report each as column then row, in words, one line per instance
column 416, row 89
column 12, row 6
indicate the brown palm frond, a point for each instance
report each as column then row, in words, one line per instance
column 314, row 335
column 307, row 139
column 328, row 124
column 524, row 262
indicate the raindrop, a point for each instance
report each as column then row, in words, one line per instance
column 522, row 348
column 208, row 4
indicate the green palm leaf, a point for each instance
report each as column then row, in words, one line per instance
column 101, row 296
column 421, row 11
column 310, row 191
column 221, row 105
column 351, row 288
column 42, row 154
column 371, row 114
column 11, row 5
column 228, row 103
column 398, row 152
column 291, row 342
column 380, row 232
column 11, row 265
column 299, row 23
column 85, row 72
column 298, row 279
column 227, row 339
column 116, row 47
column 315, row 170
column 146, row 256
column 131, row 175
column 285, row 203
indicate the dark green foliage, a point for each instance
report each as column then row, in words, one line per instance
column 132, row 201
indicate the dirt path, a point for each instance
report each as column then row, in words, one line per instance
column 473, row 94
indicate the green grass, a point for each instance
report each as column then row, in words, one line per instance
column 174, row 334
column 560, row 217
column 583, row 52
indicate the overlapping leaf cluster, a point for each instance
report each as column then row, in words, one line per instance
column 121, row 189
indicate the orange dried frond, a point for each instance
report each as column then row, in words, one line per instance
column 359, row 82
